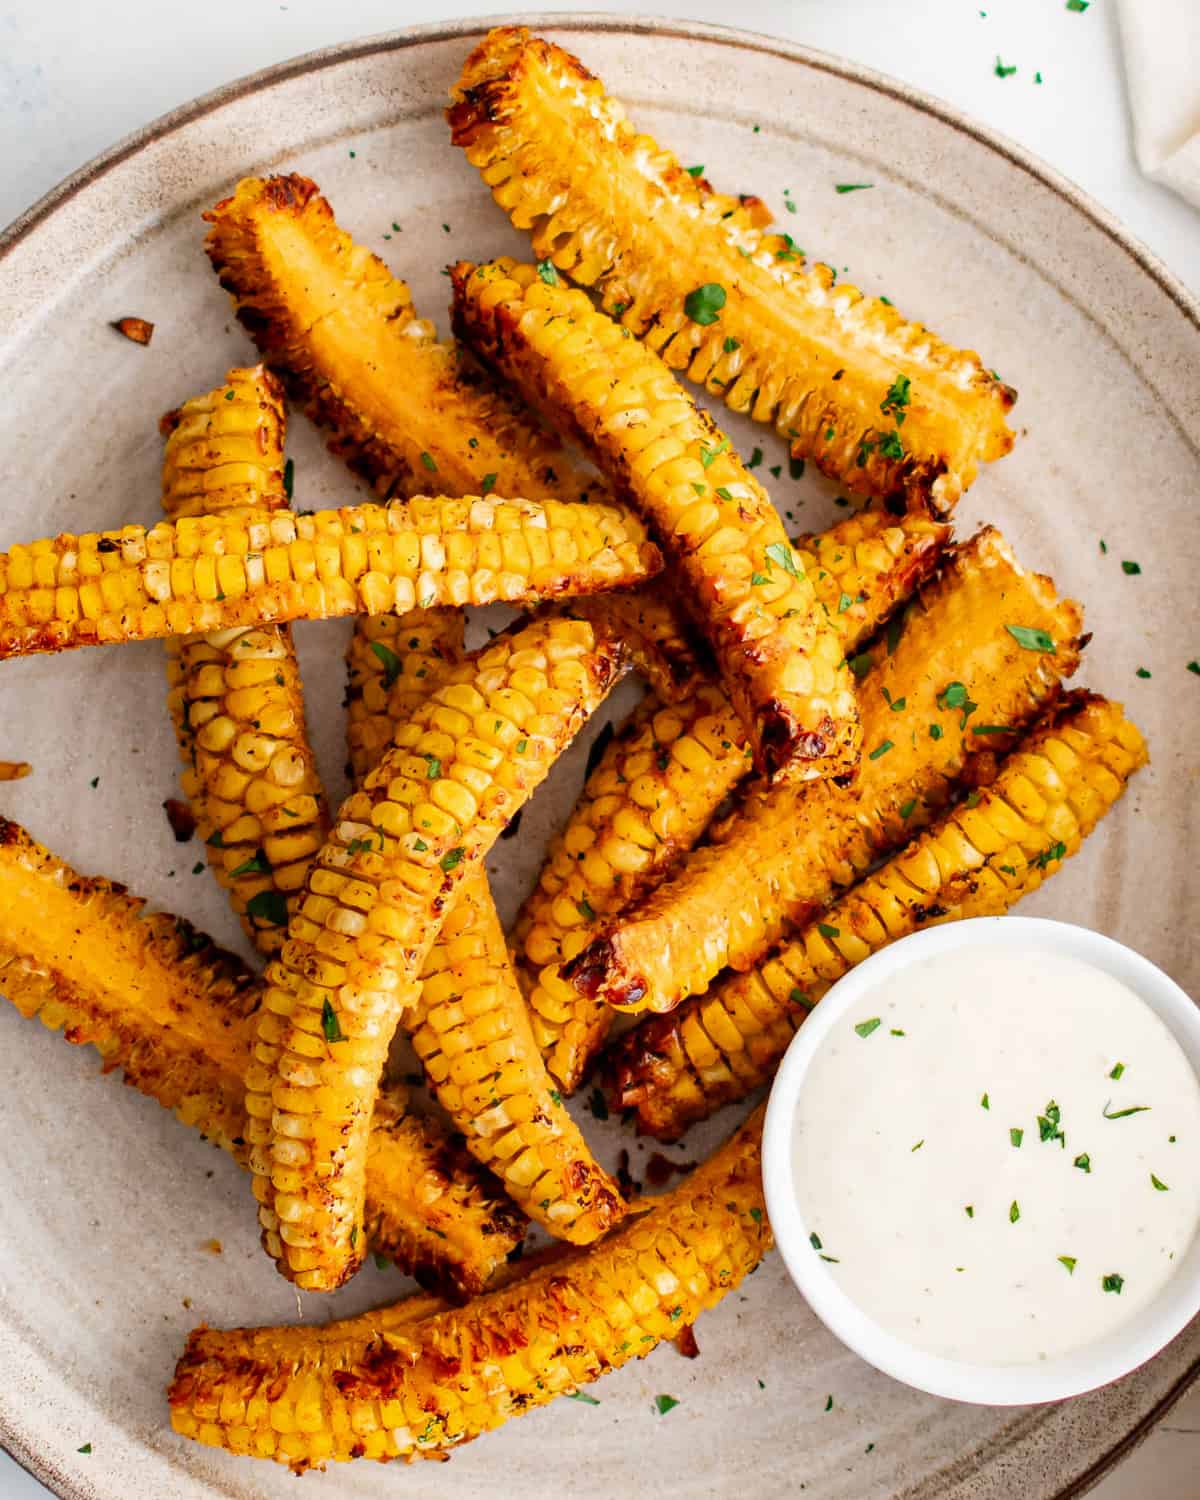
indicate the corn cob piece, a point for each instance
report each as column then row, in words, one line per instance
column 211, row 573
column 977, row 861
column 959, row 685
column 664, row 645
column 342, row 333
column 418, row 1387
column 401, row 847
column 236, row 700
column 177, row 1015
column 736, row 570
column 471, row 1030
column 393, row 662
column 879, row 404
column 657, row 785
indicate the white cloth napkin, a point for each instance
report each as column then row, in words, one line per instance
column 1162, row 67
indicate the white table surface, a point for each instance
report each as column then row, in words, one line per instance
column 75, row 76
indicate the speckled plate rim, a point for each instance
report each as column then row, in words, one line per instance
column 42, row 211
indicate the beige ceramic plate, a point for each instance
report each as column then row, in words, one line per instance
column 107, row 1201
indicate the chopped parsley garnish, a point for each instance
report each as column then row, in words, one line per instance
column 1069, row 1261
column 781, row 553
column 1001, row 70
column 1083, row 1162
column 969, row 1210
column 844, row 603
column 381, row 1261
column 1194, row 666
column 1049, row 1124
column 1079, row 6
column 935, row 731
column 723, row 493
column 1031, row 640
column 919, row 1144
column 451, row 859
column 865, row 1028
column 1142, row 672
column 598, row 1104
column 827, row 931
column 985, row 1103
column 268, row 906
column 389, row 661
column 896, row 1031
column 557, row 1097
column 895, row 403
column 1117, row 1070
column 545, row 269
column 330, row 1024
column 433, row 767
column 954, row 695
column 1113, row 1282
column 1131, row 568
column 828, row 1403
column 758, row 579
column 695, row 171
column 756, row 1215
column 584, row 1397
column 1159, row 1187
column 488, row 484
column 708, row 455
column 256, row 865
column 795, row 468
column 1049, row 854
column 428, row 460
column 1016, row 1137
column 87, row 1448
column 731, row 344
column 289, row 477
column 861, row 664
column 906, row 810
column 851, row 187
column 881, row 749
column 1120, row 1114
column 1014, row 1211
column 814, row 1240
column 757, row 456
column 584, row 907
column 664, row 1404
column 704, row 304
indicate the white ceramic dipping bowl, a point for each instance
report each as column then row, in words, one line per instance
column 1052, row 1379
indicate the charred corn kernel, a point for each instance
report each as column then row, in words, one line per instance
column 427, row 1381
column 931, row 713
column 976, row 861
column 756, row 605
column 880, row 404
column 600, row 548
column 471, row 1030
column 664, row 644
column 400, row 861
column 224, row 455
column 177, row 1015
column 657, row 785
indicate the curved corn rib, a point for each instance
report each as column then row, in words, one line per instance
column 957, row 678
column 736, row 570
column 391, row 1385
column 977, row 861
column 342, row 333
column 881, row 405
column 400, row 849
column 236, row 699
column 471, row 1030
column 210, row 573
column 659, row 782
column 177, row 1015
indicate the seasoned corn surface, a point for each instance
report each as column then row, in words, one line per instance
column 398, row 1384
column 977, row 861
column 956, row 689
column 177, row 1016
column 880, row 404
column 734, row 566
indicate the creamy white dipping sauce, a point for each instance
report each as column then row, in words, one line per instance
column 930, row 1168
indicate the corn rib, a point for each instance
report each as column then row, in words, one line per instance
column 401, row 847
column 236, row 700
column 959, row 685
column 177, row 1015
column 735, row 567
column 391, row 1385
column 658, row 783
column 342, row 333
column 881, row 405
column 209, row 573
column 979, row 860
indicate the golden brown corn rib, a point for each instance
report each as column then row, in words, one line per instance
column 342, row 333
column 881, row 405
column 471, row 1030
column 657, row 785
column 977, row 861
column 211, row 573
column 177, row 1015
column 235, row 697
column 391, row 1385
column 401, row 847
column 736, row 571
column 958, row 685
